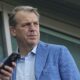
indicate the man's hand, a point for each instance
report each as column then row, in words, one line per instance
column 6, row 74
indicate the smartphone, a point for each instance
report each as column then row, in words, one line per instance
column 12, row 58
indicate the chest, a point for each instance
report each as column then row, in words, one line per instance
column 25, row 69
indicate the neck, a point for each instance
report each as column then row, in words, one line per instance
column 24, row 50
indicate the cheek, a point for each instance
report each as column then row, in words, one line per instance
column 20, row 33
column 38, row 30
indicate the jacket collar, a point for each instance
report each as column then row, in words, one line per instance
column 41, row 57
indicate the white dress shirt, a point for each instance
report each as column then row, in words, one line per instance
column 25, row 69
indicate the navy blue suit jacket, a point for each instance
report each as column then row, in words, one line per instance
column 54, row 62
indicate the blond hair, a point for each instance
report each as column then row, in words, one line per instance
column 21, row 8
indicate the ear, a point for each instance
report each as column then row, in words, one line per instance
column 13, row 31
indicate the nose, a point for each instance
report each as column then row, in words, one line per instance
column 32, row 27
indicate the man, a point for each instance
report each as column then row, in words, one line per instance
column 39, row 60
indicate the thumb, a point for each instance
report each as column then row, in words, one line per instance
column 1, row 64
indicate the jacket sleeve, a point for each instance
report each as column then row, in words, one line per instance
column 67, row 66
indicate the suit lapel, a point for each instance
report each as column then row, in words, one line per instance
column 41, row 56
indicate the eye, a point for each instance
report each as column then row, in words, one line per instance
column 35, row 23
column 26, row 24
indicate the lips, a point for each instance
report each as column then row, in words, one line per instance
column 32, row 36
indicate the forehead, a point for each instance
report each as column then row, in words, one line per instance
column 24, row 15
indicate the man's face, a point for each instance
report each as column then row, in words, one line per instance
column 26, row 30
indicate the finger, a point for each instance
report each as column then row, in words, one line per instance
column 5, row 78
column 14, row 64
column 6, row 73
column 1, row 64
column 10, row 69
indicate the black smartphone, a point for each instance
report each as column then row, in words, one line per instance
column 12, row 58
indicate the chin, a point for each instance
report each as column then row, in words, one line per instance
column 33, row 42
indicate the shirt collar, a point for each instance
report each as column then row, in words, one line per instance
column 34, row 50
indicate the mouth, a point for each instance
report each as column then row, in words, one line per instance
column 32, row 36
